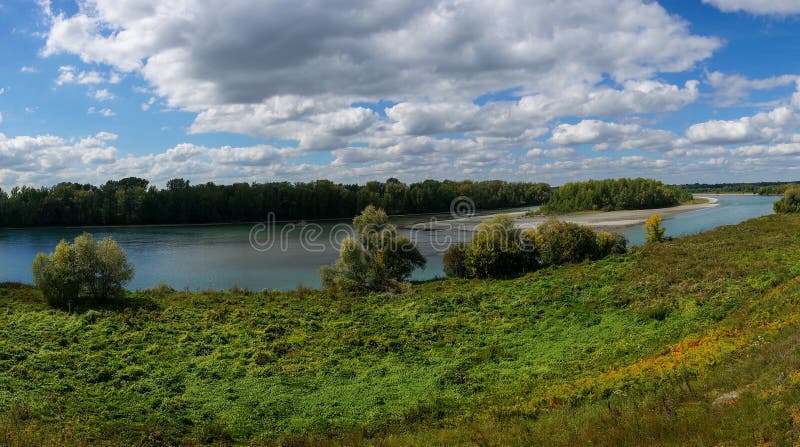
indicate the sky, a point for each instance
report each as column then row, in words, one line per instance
column 354, row 90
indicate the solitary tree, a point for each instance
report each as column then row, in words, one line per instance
column 377, row 258
column 652, row 226
column 83, row 271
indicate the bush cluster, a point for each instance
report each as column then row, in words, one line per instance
column 790, row 203
column 82, row 272
column 500, row 250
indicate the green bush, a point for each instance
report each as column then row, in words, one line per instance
column 376, row 259
column 454, row 261
column 610, row 243
column 790, row 203
column 82, row 272
column 560, row 242
column 499, row 250
column 496, row 250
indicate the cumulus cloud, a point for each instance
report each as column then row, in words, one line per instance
column 605, row 134
column 390, row 88
column 758, row 7
column 732, row 89
column 761, row 127
column 292, row 70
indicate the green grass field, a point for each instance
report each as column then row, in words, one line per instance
column 630, row 350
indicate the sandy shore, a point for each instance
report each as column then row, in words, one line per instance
column 606, row 220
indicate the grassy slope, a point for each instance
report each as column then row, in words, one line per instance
column 638, row 345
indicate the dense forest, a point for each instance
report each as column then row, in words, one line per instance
column 133, row 201
column 614, row 194
column 762, row 188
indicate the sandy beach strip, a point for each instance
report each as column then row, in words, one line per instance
column 599, row 219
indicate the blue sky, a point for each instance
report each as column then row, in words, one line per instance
column 680, row 90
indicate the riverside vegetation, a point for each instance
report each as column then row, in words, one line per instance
column 689, row 341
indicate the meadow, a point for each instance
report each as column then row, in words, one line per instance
column 629, row 350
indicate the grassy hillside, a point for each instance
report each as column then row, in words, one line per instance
column 631, row 349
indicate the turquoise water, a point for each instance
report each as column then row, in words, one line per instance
column 731, row 210
column 219, row 257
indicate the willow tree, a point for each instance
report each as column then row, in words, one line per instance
column 376, row 258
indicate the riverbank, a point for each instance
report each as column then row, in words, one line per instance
column 600, row 219
column 598, row 353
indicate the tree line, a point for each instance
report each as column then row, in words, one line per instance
column 134, row 201
column 614, row 194
column 761, row 188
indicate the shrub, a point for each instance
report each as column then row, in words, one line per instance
column 496, row 250
column 654, row 229
column 377, row 258
column 83, row 271
column 790, row 203
column 560, row 242
column 454, row 261
column 610, row 243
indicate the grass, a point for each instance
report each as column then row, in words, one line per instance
column 629, row 350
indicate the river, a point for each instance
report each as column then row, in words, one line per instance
column 222, row 256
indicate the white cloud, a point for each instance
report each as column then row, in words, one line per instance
column 103, row 95
column 69, row 74
column 104, row 112
column 759, row 7
column 292, row 70
column 733, row 89
column 145, row 106
column 28, row 69
column 1, row 118
column 605, row 134
column 2, row 90
column 761, row 127
column 559, row 152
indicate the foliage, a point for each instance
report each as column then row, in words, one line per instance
column 654, row 229
column 86, row 270
column 610, row 244
column 496, row 250
column 761, row 188
column 560, row 242
column 614, row 194
column 453, row 261
column 790, row 202
column 499, row 250
column 376, row 259
column 134, row 201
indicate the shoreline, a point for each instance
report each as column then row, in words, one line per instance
column 603, row 219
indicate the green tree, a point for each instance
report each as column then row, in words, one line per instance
column 560, row 242
column 82, row 272
column 790, row 202
column 496, row 250
column 377, row 258
column 55, row 276
column 453, row 261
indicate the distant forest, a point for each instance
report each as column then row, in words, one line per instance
column 614, row 194
column 762, row 188
column 133, row 201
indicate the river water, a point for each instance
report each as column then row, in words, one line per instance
column 222, row 256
